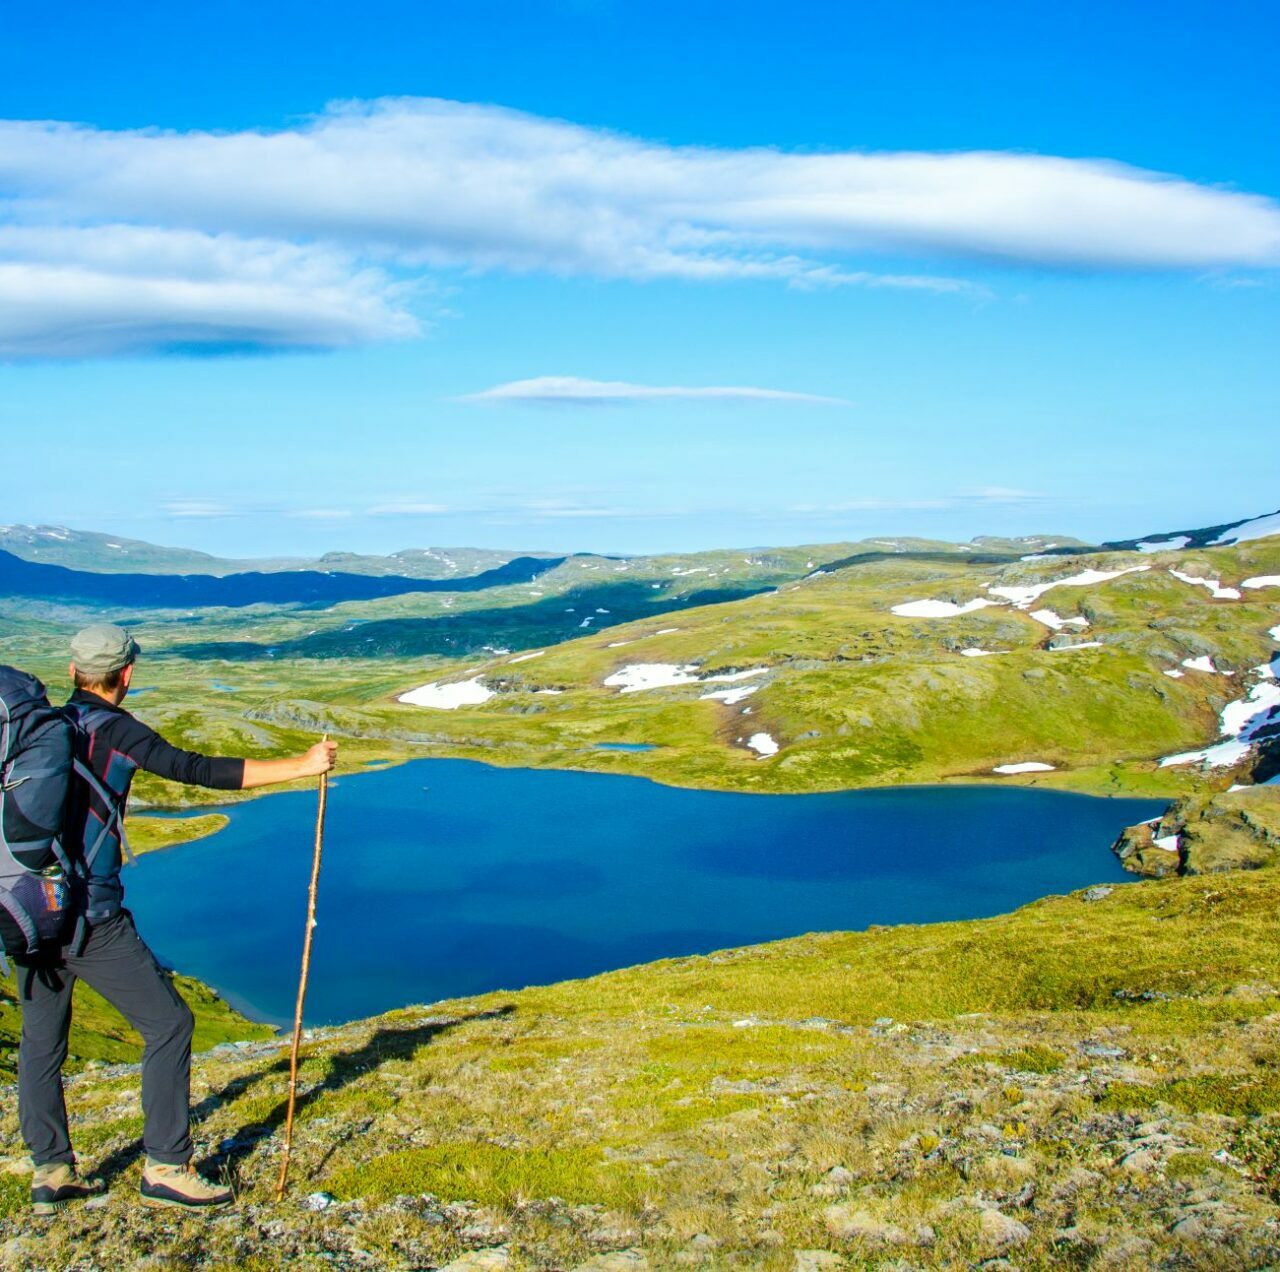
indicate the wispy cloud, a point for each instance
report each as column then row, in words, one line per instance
column 115, row 241
column 408, row 509
column 981, row 495
column 549, row 390
column 198, row 508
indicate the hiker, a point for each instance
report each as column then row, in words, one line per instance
column 104, row 949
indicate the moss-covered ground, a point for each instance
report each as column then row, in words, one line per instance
column 1087, row 1082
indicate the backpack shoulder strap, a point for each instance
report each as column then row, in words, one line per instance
column 83, row 719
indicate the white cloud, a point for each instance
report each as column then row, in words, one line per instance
column 1000, row 494
column 305, row 236
column 80, row 292
column 572, row 390
column 924, row 503
column 197, row 508
column 407, row 509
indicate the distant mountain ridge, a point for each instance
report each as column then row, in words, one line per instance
column 113, row 554
column 283, row 587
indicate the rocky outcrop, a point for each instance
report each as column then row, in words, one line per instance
column 1236, row 829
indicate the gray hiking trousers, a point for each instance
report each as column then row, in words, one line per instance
column 117, row 963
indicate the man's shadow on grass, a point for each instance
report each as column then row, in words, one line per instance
column 385, row 1046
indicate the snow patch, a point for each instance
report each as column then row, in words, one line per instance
column 636, row 676
column 1025, row 596
column 1201, row 663
column 1051, row 619
column 1176, row 544
column 762, row 744
column 1167, row 842
column 981, row 653
column 938, row 609
column 1026, row 766
column 1174, row 674
column 448, row 697
column 1255, row 528
column 1262, row 580
column 730, row 696
column 1241, row 722
column 1215, row 587
column 537, row 653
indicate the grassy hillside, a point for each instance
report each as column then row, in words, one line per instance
column 100, row 1035
column 1091, row 1083
column 851, row 693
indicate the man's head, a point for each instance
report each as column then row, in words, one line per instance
column 102, row 658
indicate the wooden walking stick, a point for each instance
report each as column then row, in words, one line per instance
column 302, row 984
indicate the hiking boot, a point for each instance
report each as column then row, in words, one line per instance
column 57, row 1185
column 181, row 1186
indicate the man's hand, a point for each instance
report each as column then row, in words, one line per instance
column 321, row 758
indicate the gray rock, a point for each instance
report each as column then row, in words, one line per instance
column 852, row 1223
column 494, row 1259
column 317, row 1201
column 1142, row 1161
column 1096, row 893
column 1000, row 1231
column 816, row 1261
column 615, row 1261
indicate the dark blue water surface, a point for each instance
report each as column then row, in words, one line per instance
column 448, row 877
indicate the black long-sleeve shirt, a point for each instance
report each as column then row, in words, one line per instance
column 118, row 733
column 114, row 745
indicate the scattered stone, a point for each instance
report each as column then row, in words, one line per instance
column 851, row 1223
column 494, row 1259
column 1102, row 1050
column 1142, row 1161
column 1097, row 892
column 318, row 1201
column 614, row 1261
column 16, row 1166
column 1000, row 1231
column 816, row 1261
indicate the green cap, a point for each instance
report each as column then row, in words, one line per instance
column 102, row 649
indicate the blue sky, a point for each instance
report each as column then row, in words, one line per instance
column 1025, row 255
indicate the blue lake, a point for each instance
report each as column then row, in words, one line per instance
column 449, row 877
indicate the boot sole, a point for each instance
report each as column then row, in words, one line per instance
column 42, row 1209
column 166, row 1203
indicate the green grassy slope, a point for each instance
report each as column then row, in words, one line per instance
column 100, row 1034
column 853, row 694
column 856, row 695
column 1091, row 1083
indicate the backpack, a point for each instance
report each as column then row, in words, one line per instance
column 47, row 875
column 36, row 758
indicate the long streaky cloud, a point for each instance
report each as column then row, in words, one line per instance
column 313, row 236
column 553, row 390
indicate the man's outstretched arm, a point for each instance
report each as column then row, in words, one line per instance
column 319, row 759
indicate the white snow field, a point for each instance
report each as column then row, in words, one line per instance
column 1257, row 528
column 1241, row 721
column 762, row 744
column 1215, row 587
column 1202, row 663
column 1026, row 766
column 1052, row 619
column 1025, row 596
column 448, row 697
column 636, row 676
column 1262, row 580
column 1165, row 545
column 938, row 609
